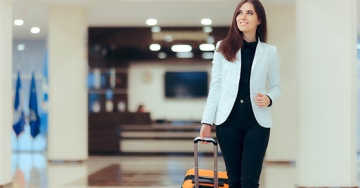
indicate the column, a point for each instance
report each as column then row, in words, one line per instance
column 6, row 94
column 326, row 56
column 67, row 139
column 283, row 144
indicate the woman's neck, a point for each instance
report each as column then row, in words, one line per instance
column 249, row 37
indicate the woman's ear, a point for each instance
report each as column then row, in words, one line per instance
column 259, row 22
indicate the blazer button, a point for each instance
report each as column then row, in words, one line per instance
column 241, row 101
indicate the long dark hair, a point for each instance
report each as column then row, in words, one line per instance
column 234, row 40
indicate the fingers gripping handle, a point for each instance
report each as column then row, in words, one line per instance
column 197, row 139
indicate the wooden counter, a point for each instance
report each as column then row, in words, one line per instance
column 160, row 138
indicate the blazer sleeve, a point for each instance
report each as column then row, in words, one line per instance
column 214, row 89
column 274, row 87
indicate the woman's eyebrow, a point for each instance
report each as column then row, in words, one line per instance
column 246, row 10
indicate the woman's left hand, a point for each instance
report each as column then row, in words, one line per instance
column 262, row 100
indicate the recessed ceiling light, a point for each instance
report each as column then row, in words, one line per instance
column 35, row 30
column 19, row 22
column 207, row 55
column 206, row 21
column 207, row 47
column 169, row 38
column 162, row 55
column 181, row 48
column 207, row 29
column 155, row 47
column 151, row 22
column 155, row 29
column 210, row 39
column 21, row 47
column 184, row 55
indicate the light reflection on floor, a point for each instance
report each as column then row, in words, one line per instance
column 32, row 170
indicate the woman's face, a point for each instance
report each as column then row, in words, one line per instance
column 247, row 19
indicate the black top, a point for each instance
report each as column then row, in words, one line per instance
column 247, row 58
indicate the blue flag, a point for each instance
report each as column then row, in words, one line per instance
column 19, row 118
column 34, row 119
column 45, row 99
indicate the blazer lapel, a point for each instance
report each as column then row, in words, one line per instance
column 259, row 50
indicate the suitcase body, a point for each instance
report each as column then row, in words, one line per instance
column 205, row 178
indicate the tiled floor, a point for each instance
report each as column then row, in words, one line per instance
column 33, row 171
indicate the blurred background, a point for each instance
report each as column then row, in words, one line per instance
column 129, row 79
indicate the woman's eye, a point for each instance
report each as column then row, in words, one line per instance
column 250, row 13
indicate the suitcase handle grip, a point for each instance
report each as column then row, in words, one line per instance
column 197, row 139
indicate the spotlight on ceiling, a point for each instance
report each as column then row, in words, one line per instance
column 162, row 55
column 207, row 55
column 155, row 47
column 184, row 55
column 19, row 22
column 207, row 47
column 151, row 22
column 181, row 48
column 155, row 29
column 207, row 29
column 21, row 47
column 35, row 30
column 206, row 21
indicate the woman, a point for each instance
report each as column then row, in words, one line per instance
column 245, row 82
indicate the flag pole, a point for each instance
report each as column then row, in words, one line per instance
column 19, row 120
column 17, row 136
column 34, row 119
column 17, row 151
column 33, row 146
column 17, row 143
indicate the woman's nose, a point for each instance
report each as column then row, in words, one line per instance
column 242, row 17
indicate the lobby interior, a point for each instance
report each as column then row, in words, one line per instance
column 101, row 67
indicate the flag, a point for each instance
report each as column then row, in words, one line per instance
column 34, row 119
column 19, row 118
column 44, row 114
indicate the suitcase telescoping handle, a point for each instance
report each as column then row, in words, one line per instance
column 214, row 142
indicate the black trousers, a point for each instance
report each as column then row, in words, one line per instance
column 243, row 143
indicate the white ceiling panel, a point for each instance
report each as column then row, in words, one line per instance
column 129, row 13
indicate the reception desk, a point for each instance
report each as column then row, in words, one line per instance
column 104, row 129
column 160, row 138
column 129, row 133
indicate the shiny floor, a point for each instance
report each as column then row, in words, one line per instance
column 32, row 170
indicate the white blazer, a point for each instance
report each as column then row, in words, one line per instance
column 225, row 76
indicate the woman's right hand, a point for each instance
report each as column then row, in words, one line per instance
column 205, row 132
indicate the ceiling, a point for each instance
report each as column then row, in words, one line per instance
column 130, row 13
column 127, row 13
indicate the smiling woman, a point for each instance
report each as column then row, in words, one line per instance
column 239, row 99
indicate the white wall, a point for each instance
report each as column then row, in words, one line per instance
column 151, row 93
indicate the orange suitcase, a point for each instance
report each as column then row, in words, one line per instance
column 204, row 178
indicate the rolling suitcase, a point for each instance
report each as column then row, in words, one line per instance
column 203, row 178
